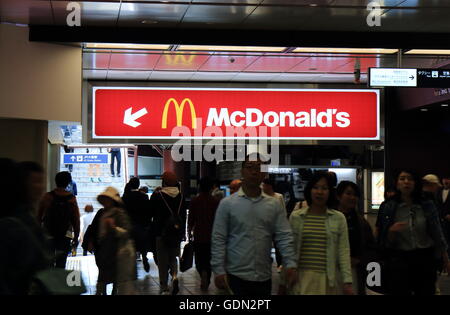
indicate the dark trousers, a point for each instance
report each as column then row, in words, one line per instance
column 60, row 247
column 243, row 287
column 411, row 272
column 278, row 257
column 118, row 157
column 203, row 257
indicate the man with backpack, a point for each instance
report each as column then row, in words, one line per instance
column 59, row 215
column 169, row 225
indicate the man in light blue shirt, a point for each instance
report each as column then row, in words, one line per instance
column 245, row 225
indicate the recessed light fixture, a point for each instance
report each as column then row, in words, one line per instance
column 149, row 22
column 345, row 50
column 444, row 105
column 231, row 48
column 428, row 52
column 424, row 110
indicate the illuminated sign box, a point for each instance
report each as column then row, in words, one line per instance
column 204, row 113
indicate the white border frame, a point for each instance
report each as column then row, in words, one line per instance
column 95, row 88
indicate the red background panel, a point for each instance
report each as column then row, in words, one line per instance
column 110, row 105
column 274, row 64
column 223, row 63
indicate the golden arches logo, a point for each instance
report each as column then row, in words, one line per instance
column 179, row 59
column 179, row 108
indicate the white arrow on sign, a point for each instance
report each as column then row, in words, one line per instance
column 130, row 119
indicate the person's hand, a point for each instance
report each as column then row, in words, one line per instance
column 282, row 290
column 397, row 227
column 355, row 261
column 109, row 222
column 291, row 277
column 221, row 281
column 347, row 289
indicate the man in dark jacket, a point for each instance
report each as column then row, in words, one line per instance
column 169, row 224
column 443, row 205
column 137, row 206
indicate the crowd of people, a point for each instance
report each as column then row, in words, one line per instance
column 322, row 246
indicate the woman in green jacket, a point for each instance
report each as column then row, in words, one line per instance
column 321, row 243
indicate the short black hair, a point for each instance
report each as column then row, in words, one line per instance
column 134, row 183
column 63, row 179
column 255, row 157
column 206, row 184
column 343, row 186
column 317, row 176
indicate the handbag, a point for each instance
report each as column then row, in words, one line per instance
column 187, row 258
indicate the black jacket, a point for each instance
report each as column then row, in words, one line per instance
column 161, row 214
column 138, row 208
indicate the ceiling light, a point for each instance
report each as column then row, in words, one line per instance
column 149, row 22
column 424, row 110
column 428, row 52
column 231, row 48
column 127, row 46
column 345, row 50
column 444, row 105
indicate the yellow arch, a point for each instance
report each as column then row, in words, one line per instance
column 179, row 108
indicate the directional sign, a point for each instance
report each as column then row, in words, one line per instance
column 71, row 158
column 433, row 78
column 384, row 77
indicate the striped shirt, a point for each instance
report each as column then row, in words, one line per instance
column 313, row 253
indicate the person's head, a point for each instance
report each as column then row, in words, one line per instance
column 446, row 181
column 251, row 172
column 169, row 179
column 134, row 183
column 348, row 194
column 205, row 185
column 110, row 198
column 431, row 183
column 333, row 178
column 63, row 179
column 319, row 190
column 32, row 183
column 144, row 189
column 268, row 186
column 408, row 185
column 88, row 208
column 235, row 185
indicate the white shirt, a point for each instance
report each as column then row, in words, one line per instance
column 444, row 194
column 86, row 220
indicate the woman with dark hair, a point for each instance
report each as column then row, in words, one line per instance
column 362, row 241
column 321, row 242
column 410, row 235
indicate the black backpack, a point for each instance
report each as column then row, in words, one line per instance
column 57, row 218
column 172, row 231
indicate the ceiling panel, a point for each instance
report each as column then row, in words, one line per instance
column 128, row 75
column 320, row 64
column 228, row 62
column 274, row 64
column 176, row 61
column 26, row 12
column 95, row 74
column 150, row 14
column 228, row 1
column 170, row 76
column 134, row 61
column 365, row 63
column 96, row 60
column 217, row 13
column 213, row 76
column 92, row 13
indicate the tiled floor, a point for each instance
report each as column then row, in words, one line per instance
column 189, row 281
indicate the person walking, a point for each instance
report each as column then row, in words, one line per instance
column 115, row 255
column 360, row 234
column 245, row 226
column 321, row 243
column 200, row 223
column 168, row 226
column 60, row 217
column 410, row 235
column 115, row 154
column 137, row 206
column 86, row 220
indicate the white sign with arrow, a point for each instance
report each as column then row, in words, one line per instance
column 130, row 119
column 380, row 77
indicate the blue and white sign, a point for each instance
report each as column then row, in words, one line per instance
column 72, row 158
